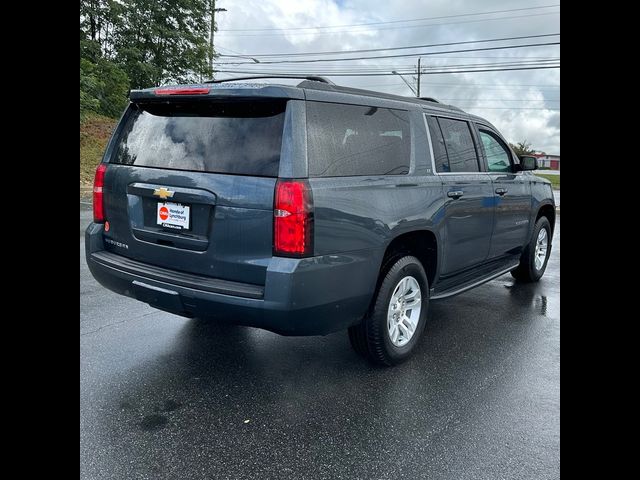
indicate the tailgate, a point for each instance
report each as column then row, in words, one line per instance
column 190, row 187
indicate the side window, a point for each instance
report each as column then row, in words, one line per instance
column 350, row 140
column 497, row 154
column 460, row 146
column 439, row 150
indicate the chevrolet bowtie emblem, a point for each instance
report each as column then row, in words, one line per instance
column 163, row 193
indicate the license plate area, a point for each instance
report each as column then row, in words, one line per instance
column 143, row 214
column 173, row 216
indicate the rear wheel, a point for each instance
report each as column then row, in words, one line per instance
column 535, row 256
column 390, row 331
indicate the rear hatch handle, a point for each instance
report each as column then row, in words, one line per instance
column 171, row 193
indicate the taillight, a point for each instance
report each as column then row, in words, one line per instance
column 293, row 219
column 98, row 194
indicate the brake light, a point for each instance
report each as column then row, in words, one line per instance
column 98, row 194
column 293, row 219
column 182, row 91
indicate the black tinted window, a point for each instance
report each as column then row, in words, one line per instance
column 460, row 147
column 439, row 150
column 497, row 154
column 347, row 140
column 239, row 138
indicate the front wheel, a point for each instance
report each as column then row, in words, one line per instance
column 535, row 256
column 390, row 331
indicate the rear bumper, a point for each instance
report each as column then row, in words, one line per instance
column 310, row 296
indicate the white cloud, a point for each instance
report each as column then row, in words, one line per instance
column 521, row 104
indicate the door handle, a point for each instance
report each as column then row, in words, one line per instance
column 455, row 194
column 501, row 191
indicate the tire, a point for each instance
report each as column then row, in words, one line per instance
column 529, row 270
column 372, row 338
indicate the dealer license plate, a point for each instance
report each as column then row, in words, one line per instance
column 173, row 215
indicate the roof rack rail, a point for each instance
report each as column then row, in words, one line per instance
column 315, row 78
column 429, row 99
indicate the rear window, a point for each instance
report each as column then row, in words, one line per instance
column 237, row 138
column 349, row 140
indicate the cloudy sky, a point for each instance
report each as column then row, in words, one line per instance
column 523, row 104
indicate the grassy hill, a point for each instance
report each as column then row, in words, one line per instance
column 555, row 179
column 95, row 131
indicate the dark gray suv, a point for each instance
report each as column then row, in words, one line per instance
column 312, row 208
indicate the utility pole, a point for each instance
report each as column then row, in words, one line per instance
column 213, row 27
column 418, row 95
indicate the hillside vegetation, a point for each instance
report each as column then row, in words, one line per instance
column 95, row 131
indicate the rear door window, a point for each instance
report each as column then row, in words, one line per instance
column 349, row 140
column 439, row 150
column 237, row 138
column 461, row 149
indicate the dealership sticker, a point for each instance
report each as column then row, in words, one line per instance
column 173, row 215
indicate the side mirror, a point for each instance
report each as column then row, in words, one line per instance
column 528, row 162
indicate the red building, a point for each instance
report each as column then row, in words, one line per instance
column 548, row 161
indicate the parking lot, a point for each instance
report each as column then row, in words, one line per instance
column 169, row 397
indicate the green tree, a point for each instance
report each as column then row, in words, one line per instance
column 163, row 41
column 139, row 44
column 103, row 84
column 103, row 87
column 100, row 20
column 522, row 148
column 88, row 88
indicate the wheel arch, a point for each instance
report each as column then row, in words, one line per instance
column 547, row 210
column 423, row 244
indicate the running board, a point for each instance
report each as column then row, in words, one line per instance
column 463, row 288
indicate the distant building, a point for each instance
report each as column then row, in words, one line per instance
column 548, row 161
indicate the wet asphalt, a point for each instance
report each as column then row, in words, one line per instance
column 164, row 397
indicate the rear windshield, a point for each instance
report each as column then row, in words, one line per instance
column 242, row 138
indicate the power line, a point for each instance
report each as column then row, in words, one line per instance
column 392, row 21
column 408, row 68
column 453, row 57
column 493, row 64
column 329, row 70
column 474, row 85
column 485, row 86
column 390, row 74
column 450, row 85
column 220, row 47
column 315, row 54
column 431, row 85
column 404, row 55
column 385, row 28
